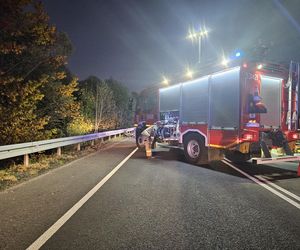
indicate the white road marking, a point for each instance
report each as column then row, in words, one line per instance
column 297, row 205
column 296, row 197
column 106, row 146
column 58, row 224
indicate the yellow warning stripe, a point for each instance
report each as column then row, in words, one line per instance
column 227, row 146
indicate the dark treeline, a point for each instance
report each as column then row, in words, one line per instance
column 39, row 97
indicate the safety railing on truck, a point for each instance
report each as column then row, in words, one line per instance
column 24, row 149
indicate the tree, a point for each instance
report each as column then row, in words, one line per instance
column 79, row 125
column 106, row 103
column 32, row 54
column 97, row 103
column 23, row 34
column 132, row 107
column 87, row 96
column 60, row 105
column 122, row 98
column 105, row 106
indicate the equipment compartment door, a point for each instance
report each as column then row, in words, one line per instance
column 224, row 100
column 270, row 91
column 169, row 98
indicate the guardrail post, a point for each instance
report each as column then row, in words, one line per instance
column 78, row 147
column 26, row 160
column 59, row 151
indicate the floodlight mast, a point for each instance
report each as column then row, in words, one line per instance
column 198, row 35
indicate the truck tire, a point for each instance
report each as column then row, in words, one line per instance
column 236, row 156
column 139, row 141
column 193, row 148
column 138, row 135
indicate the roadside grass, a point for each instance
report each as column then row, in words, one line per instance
column 39, row 163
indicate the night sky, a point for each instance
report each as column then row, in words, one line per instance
column 139, row 41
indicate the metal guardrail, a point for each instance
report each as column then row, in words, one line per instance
column 13, row 150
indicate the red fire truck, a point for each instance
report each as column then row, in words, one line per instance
column 241, row 112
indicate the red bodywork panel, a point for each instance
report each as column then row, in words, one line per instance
column 249, row 131
column 250, row 123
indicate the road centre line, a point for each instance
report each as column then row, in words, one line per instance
column 296, row 197
column 62, row 220
column 257, row 181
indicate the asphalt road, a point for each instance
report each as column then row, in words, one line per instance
column 157, row 203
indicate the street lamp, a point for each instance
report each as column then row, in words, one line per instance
column 225, row 61
column 189, row 73
column 165, row 81
column 193, row 35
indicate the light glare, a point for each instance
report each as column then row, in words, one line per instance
column 192, row 34
column 189, row 73
column 225, row 62
column 165, row 81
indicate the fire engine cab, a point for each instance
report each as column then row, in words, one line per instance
column 239, row 113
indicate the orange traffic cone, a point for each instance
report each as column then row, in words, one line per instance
column 298, row 172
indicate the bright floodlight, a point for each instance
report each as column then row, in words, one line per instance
column 189, row 73
column 225, row 62
column 259, row 66
column 165, row 81
column 192, row 35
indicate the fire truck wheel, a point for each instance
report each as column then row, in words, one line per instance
column 193, row 148
column 236, row 156
column 139, row 142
